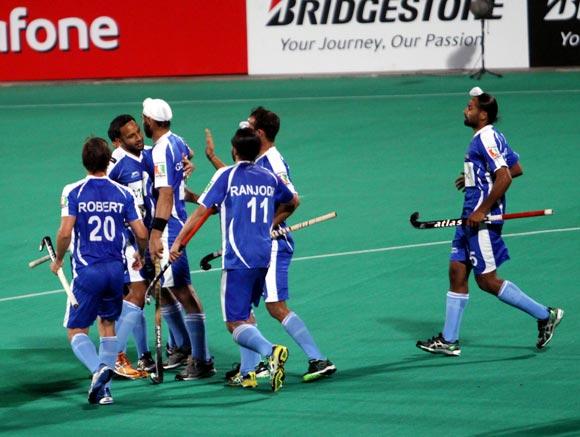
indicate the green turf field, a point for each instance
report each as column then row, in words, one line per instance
column 368, row 285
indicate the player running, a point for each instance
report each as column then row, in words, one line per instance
column 478, row 246
column 94, row 212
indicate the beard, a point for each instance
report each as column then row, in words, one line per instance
column 148, row 130
column 468, row 123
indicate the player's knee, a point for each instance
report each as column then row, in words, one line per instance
column 458, row 274
column 278, row 310
column 488, row 283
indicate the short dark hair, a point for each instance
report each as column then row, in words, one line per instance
column 96, row 154
column 266, row 120
column 246, row 143
column 488, row 104
column 118, row 122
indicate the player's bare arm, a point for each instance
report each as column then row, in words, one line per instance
column 284, row 211
column 141, row 235
column 190, row 196
column 210, row 151
column 63, row 239
column 500, row 186
column 516, row 170
column 163, row 211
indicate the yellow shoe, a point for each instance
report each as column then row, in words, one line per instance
column 276, row 365
column 124, row 368
column 249, row 380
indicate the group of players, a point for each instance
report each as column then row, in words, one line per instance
column 129, row 212
column 253, row 196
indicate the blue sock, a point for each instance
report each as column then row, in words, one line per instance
column 456, row 303
column 195, row 324
column 512, row 295
column 126, row 323
column 296, row 328
column 140, row 335
column 171, row 340
column 174, row 318
column 108, row 350
column 250, row 337
column 249, row 359
column 85, row 351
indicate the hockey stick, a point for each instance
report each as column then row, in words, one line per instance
column 204, row 263
column 47, row 242
column 449, row 223
column 189, row 236
column 157, row 376
column 38, row 261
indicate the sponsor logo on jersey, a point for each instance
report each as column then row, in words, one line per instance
column 493, row 152
column 327, row 12
column 135, row 174
column 284, row 177
column 160, row 170
column 562, row 10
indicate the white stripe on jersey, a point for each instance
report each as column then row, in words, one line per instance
column 223, row 283
column 279, row 166
column 486, row 250
column 271, row 285
column 234, row 245
column 489, row 142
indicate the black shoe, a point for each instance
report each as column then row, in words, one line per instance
column 438, row 345
column 547, row 327
column 196, row 369
column 146, row 363
column 177, row 358
column 230, row 374
column 261, row 371
column 317, row 369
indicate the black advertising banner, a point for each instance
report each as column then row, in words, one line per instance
column 554, row 27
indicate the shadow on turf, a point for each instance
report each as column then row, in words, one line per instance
column 557, row 427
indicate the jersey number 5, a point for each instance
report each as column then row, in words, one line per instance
column 107, row 226
column 263, row 205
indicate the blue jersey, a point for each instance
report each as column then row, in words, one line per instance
column 101, row 208
column 272, row 160
column 246, row 195
column 131, row 171
column 167, row 157
column 488, row 151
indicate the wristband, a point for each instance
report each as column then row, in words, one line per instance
column 159, row 224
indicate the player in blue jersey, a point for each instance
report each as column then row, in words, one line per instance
column 478, row 245
column 127, row 167
column 170, row 215
column 94, row 213
column 276, row 292
column 251, row 200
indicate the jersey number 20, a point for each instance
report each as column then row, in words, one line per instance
column 107, row 226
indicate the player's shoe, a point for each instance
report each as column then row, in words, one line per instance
column 177, row 358
column 100, row 379
column 146, row 363
column 246, row 381
column 196, row 369
column 438, row 345
column 124, row 368
column 261, row 371
column 318, row 369
column 105, row 397
column 276, row 366
column 547, row 327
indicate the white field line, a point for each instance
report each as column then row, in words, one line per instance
column 330, row 255
column 279, row 99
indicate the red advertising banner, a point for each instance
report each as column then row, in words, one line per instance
column 67, row 39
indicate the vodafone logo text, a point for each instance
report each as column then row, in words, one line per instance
column 322, row 12
column 43, row 35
